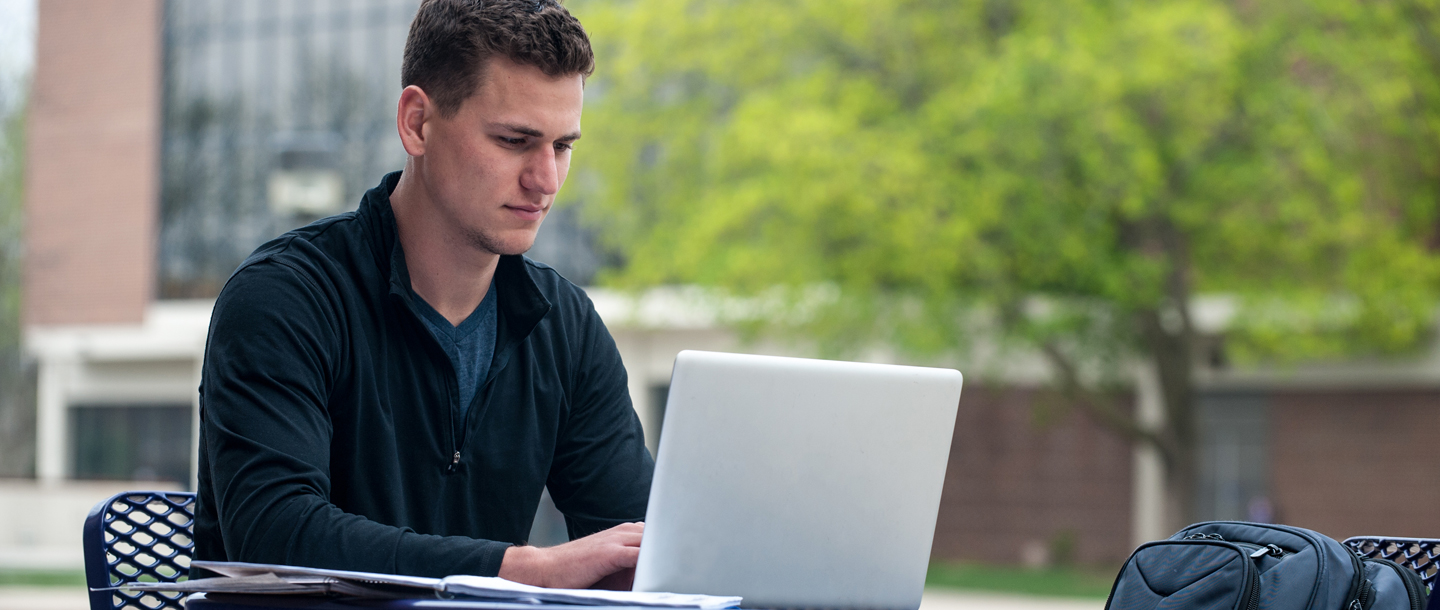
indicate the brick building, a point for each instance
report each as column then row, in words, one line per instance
column 169, row 138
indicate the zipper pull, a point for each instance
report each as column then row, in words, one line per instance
column 1268, row 549
column 454, row 463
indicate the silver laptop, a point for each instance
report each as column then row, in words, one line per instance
column 798, row 483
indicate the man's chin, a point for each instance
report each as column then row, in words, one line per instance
column 504, row 245
column 518, row 246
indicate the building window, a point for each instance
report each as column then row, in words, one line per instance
column 275, row 114
column 131, row 443
column 1234, row 457
column 278, row 113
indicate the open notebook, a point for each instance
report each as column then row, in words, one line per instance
column 267, row 579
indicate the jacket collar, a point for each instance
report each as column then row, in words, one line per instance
column 520, row 305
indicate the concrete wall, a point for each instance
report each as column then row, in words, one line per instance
column 40, row 523
column 92, row 182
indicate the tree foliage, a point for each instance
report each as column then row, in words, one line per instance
column 17, row 412
column 1078, row 170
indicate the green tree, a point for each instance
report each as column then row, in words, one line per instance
column 1065, row 175
column 17, row 406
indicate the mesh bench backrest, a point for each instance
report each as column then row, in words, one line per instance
column 1419, row 554
column 138, row 536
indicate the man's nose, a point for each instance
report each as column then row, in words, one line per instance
column 540, row 173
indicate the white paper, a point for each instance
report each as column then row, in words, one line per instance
column 499, row 588
column 490, row 588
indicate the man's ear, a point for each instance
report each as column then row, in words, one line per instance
column 413, row 111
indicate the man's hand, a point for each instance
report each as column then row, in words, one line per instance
column 577, row 564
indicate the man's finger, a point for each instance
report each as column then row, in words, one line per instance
column 627, row 556
column 629, row 539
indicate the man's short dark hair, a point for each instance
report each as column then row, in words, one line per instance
column 451, row 42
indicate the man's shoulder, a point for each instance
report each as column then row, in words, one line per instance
column 324, row 238
column 325, row 251
column 307, row 280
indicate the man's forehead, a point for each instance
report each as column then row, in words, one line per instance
column 504, row 80
column 524, row 98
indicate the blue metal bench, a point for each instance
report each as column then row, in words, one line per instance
column 138, row 536
column 1419, row 554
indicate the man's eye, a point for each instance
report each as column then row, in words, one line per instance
column 512, row 141
column 564, row 146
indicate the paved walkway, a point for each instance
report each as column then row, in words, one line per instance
column 62, row 598
column 43, row 598
column 953, row 600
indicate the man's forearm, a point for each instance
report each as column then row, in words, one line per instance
column 296, row 528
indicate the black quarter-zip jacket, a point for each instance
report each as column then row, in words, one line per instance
column 330, row 427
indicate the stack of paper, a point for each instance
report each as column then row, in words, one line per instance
column 501, row 589
column 266, row 579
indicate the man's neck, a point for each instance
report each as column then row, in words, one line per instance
column 449, row 273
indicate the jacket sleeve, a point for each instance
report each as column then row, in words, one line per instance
column 272, row 357
column 601, row 473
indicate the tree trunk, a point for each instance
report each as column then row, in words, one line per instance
column 1169, row 336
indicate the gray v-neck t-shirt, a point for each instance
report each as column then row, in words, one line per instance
column 471, row 345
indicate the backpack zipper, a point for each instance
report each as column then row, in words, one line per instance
column 1367, row 595
column 1357, row 584
column 1261, row 551
column 1252, row 580
column 1269, row 549
column 1252, row 589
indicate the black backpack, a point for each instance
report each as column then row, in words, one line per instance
column 1234, row 565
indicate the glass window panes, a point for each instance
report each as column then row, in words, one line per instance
column 275, row 113
column 131, row 443
column 279, row 112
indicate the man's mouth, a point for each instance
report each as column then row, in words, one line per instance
column 528, row 213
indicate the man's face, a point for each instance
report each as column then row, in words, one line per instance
column 495, row 166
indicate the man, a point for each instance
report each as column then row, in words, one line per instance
column 390, row 389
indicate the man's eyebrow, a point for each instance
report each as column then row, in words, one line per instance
column 536, row 133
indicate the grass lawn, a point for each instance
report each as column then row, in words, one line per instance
column 42, row 578
column 1083, row 582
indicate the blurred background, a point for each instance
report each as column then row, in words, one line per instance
column 1187, row 252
